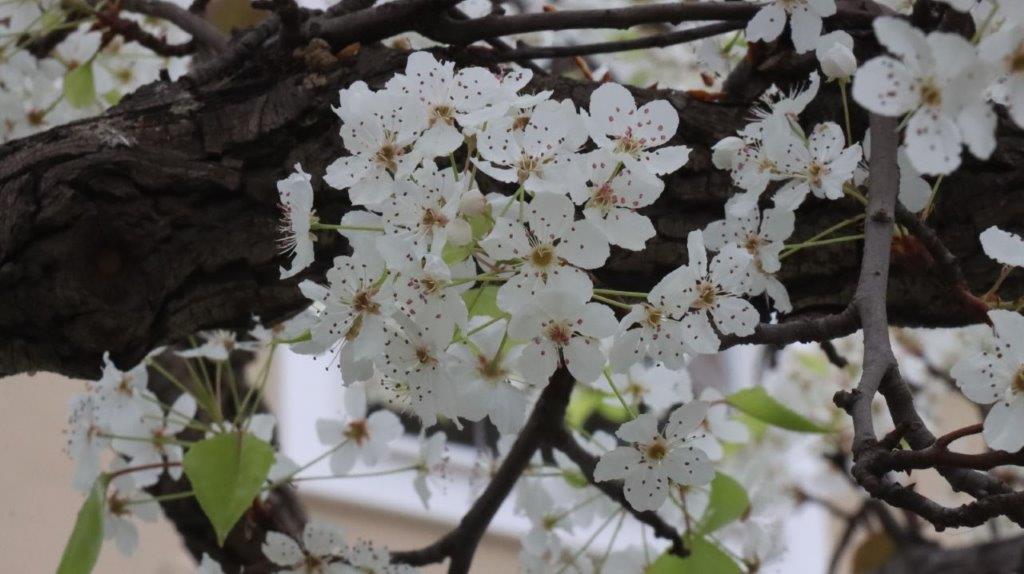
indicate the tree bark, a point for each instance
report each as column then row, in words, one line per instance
column 159, row 218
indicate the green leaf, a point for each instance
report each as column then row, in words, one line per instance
column 227, row 471
column 452, row 254
column 483, row 301
column 112, row 97
column 704, row 558
column 79, row 87
column 583, row 402
column 757, row 403
column 575, row 478
column 612, row 409
column 83, row 547
column 728, row 502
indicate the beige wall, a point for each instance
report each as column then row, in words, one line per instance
column 38, row 504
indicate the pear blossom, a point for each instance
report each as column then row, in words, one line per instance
column 152, row 439
column 86, row 439
column 653, row 459
column 821, row 165
column 359, row 436
column 1005, row 50
column 218, row 346
column 354, row 308
column 541, row 157
column 416, row 368
column 763, row 236
column 486, row 371
column 296, row 194
column 1002, row 246
column 804, row 21
column 655, row 386
column 118, row 513
column 432, row 83
column 612, row 198
column 116, row 394
column 429, row 293
column 631, row 134
column 659, row 333
column 561, row 329
column 712, row 290
column 366, row 558
column 938, row 80
column 488, row 96
column 321, row 545
column 549, row 250
column 835, row 55
column 997, row 376
column 419, row 215
column 778, row 107
column 547, row 516
column 720, row 427
column 431, row 461
column 379, row 130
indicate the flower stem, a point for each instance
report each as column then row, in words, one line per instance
column 798, row 246
column 637, row 294
column 846, row 111
column 618, row 395
column 332, row 227
column 612, row 302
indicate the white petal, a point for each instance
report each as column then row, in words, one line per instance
column 767, row 24
column 735, row 316
column 616, row 464
column 584, row 359
column 646, row 487
column 1003, row 247
column 805, row 29
column 1004, row 427
column 685, row 419
column 322, row 539
column 538, row 362
column 584, row 245
column 933, row 143
column 884, row 86
column 282, row 550
column 689, row 466
column 667, row 159
column 978, row 126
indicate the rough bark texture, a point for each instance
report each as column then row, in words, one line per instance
column 159, row 218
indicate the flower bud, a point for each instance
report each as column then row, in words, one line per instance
column 459, row 232
column 835, row 54
column 472, row 203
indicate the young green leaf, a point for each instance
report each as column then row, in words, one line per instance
column 227, row 471
column 83, row 547
column 583, row 402
column 728, row 502
column 79, row 86
column 756, row 402
column 483, row 301
column 704, row 558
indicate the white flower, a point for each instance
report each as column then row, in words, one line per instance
column 432, row 83
column 419, row 215
column 546, row 515
column 355, row 306
column 997, row 376
column 485, row 374
column 548, row 253
column 151, row 439
column 425, row 294
column 652, row 459
column 915, row 191
column 561, row 328
column 415, row 368
column 1002, row 246
column 86, row 439
column 209, row 566
column 721, row 428
column 431, row 462
column 615, row 124
column 655, row 386
column 125, row 501
column 940, row 82
column 116, row 392
column 1005, row 50
column 365, row 558
column 541, row 156
column 321, row 544
column 763, row 239
column 804, row 21
column 776, row 107
column 835, row 54
column 712, row 290
column 378, row 129
column 821, row 165
column 611, row 200
column 660, row 334
column 218, row 346
column 296, row 194
column 487, row 96
column 359, row 436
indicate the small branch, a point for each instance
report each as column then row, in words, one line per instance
column 564, row 442
column 460, row 543
column 204, row 33
column 655, row 41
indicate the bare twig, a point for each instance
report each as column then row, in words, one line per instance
column 203, row 32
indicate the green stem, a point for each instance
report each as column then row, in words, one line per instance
column 332, row 227
column 576, row 555
column 846, row 111
column 636, row 294
column 163, row 497
column 931, row 199
column 357, row 474
column 288, row 478
column 618, row 395
column 612, row 302
column 830, row 231
column 798, row 246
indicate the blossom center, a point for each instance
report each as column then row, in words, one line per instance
column 707, row 292
column 656, row 450
column 931, row 95
column 363, row 301
column 433, row 218
column 654, row 315
column 1018, row 381
column 604, row 197
column 559, row 333
column 753, row 243
column 442, row 113
column 424, row 357
column 357, row 431
column 118, row 506
column 543, row 255
column 528, row 165
column 490, row 370
column 387, row 156
column 1017, row 60
column 628, row 144
column 817, row 172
